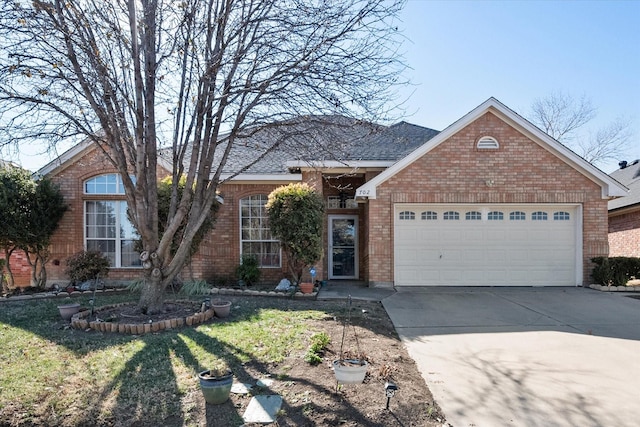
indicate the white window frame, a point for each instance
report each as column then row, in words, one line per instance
column 473, row 216
column 263, row 217
column 407, row 216
column 517, row 216
column 451, row 216
column 429, row 216
column 118, row 239
column 539, row 216
column 495, row 216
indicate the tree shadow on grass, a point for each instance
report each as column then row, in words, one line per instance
column 157, row 384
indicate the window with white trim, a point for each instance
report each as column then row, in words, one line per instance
column 255, row 235
column 517, row 216
column 487, row 143
column 495, row 216
column 561, row 216
column 107, row 228
column 451, row 216
column 407, row 215
column 539, row 216
column 104, row 184
column 473, row 216
column 429, row 215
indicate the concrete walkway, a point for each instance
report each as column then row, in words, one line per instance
column 524, row 356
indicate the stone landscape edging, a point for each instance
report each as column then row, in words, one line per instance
column 78, row 320
column 605, row 288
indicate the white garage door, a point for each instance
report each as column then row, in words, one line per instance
column 488, row 245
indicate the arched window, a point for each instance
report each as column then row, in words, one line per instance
column 473, row 216
column 539, row 216
column 517, row 216
column 429, row 215
column 107, row 228
column 495, row 216
column 561, row 216
column 255, row 234
column 451, row 215
column 407, row 215
column 104, row 184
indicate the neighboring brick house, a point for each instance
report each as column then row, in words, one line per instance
column 490, row 200
column 624, row 213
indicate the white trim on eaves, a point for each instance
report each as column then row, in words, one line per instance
column 610, row 187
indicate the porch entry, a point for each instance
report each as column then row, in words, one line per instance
column 343, row 246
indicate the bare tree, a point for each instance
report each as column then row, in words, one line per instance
column 197, row 76
column 564, row 118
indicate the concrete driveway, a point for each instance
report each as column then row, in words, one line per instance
column 524, row 356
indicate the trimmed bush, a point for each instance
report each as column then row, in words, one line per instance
column 86, row 265
column 615, row 271
column 248, row 271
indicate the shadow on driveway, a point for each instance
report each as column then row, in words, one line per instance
column 524, row 356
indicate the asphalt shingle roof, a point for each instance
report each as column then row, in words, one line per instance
column 630, row 178
column 325, row 138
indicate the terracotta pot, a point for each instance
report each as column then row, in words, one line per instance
column 350, row 371
column 68, row 310
column 306, row 288
column 215, row 389
column 221, row 308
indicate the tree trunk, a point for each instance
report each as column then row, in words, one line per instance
column 9, row 281
column 38, row 270
column 152, row 293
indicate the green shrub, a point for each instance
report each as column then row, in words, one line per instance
column 86, row 265
column 319, row 343
column 615, row 271
column 296, row 215
column 248, row 271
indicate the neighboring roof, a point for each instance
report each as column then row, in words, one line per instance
column 610, row 187
column 629, row 177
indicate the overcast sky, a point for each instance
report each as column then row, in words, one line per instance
column 463, row 52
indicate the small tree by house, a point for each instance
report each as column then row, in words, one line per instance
column 46, row 209
column 31, row 210
column 295, row 217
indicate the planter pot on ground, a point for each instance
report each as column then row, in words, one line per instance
column 221, row 308
column 306, row 288
column 68, row 310
column 215, row 389
column 350, row 371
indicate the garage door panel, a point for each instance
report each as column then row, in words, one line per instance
column 485, row 252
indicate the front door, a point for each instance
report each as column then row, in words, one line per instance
column 343, row 246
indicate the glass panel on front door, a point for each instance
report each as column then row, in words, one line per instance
column 343, row 235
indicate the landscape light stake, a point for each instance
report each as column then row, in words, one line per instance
column 390, row 389
column 92, row 301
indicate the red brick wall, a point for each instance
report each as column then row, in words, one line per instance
column 624, row 234
column 219, row 254
column 456, row 172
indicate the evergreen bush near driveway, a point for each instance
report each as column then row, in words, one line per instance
column 615, row 271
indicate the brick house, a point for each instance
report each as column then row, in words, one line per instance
column 490, row 200
column 624, row 213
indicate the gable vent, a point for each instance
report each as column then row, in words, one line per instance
column 488, row 142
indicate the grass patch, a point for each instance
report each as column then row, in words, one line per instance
column 56, row 376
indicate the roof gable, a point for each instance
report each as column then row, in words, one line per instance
column 610, row 187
